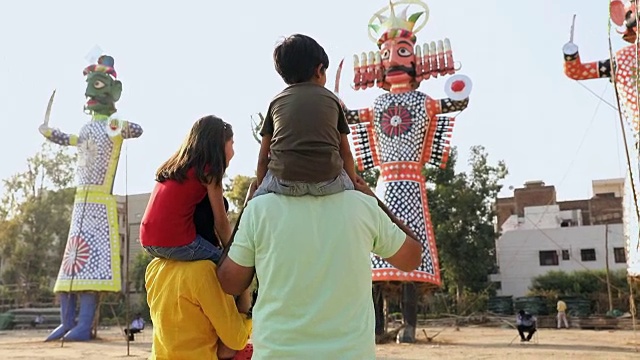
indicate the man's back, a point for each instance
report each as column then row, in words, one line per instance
column 312, row 259
column 190, row 312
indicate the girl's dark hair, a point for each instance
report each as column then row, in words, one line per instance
column 203, row 150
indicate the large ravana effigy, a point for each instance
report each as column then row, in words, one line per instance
column 91, row 260
column 404, row 130
column 622, row 69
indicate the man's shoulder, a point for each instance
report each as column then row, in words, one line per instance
column 354, row 197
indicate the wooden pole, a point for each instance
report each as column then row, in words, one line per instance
column 606, row 259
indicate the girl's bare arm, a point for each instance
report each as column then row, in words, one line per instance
column 221, row 221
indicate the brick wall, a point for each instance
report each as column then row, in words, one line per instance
column 534, row 196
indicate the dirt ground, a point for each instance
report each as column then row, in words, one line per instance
column 467, row 343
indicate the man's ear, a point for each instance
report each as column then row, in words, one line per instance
column 116, row 90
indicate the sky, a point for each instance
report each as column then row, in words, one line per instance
column 181, row 60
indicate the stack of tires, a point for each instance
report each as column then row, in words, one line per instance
column 577, row 306
column 500, row 305
column 536, row 305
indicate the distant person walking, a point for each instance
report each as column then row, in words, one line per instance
column 561, row 306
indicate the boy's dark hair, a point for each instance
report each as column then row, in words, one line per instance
column 203, row 149
column 297, row 57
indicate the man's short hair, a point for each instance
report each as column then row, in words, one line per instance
column 297, row 57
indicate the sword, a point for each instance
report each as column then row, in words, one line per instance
column 336, row 87
column 48, row 113
column 573, row 26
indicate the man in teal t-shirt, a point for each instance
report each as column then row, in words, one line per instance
column 312, row 259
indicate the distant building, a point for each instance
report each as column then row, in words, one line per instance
column 137, row 204
column 540, row 234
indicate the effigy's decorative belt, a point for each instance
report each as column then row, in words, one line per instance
column 401, row 171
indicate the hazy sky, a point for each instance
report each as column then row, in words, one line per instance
column 191, row 58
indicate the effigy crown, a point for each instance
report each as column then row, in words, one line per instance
column 105, row 65
column 397, row 26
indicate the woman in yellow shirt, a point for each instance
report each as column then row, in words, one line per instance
column 190, row 312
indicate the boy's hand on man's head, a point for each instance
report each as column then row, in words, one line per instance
column 363, row 187
column 360, row 181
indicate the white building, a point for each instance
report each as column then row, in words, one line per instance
column 542, row 235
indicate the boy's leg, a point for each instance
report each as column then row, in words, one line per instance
column 341, row 183
column 271, row 184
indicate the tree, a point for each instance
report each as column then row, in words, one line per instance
column 139, row 269
column 236, row 191
column 462, row 215
column 369, row 176
column 34, row 219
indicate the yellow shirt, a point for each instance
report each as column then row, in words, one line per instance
column 190, row 312
column 561, row 306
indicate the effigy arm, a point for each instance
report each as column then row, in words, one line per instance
column 437, row 143
column 366, row 149
column 357, row 116
column 448, row 105
column 58, row 137
column 577, row 70
column 131, row 130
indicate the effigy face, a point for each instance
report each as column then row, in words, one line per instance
column 401, row 64
column 625, row 13
column 398, row 61
column 103, row 90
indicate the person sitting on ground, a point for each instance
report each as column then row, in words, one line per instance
column 137, row 325
column 37, row 321
column 526, row 322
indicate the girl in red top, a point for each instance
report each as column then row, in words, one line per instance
column 193, row 172
column 168, row 229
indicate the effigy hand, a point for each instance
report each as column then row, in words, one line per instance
column 458, row 87
column 570, row 48
column 44, row 129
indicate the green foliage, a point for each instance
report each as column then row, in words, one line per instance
column 369, row 176
column 462, row 216
column 138, row 270
column 236, row 191
column 585, row 284
column 579, row 283
column 34, row 219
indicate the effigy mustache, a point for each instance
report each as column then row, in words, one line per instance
column 630, row 22
column 411, row 70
